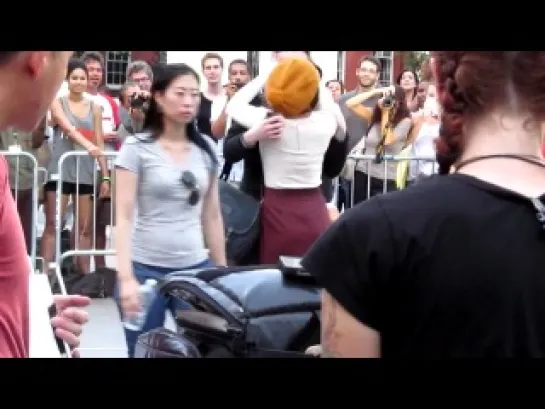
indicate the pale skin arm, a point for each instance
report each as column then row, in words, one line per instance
column 392, row 136
column 58, row 117
column 355, row 104
column 218, row 126
column 125, row 190
column 212, row 223
column 343, row 336
column 99, row 138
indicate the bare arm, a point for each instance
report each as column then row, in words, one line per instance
column 343, row 336
column 58, row 117
column 99, row 138
column 355, row 104
column 399, row 133
column 125, row 190
column 212, row 223
column 219, row 125
column 38, row 135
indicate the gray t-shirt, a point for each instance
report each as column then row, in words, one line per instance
column 167, row 231
column 385, row 169
column 356, row 126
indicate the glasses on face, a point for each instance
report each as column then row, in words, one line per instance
column 189, row 181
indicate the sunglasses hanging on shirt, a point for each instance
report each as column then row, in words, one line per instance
column 189, row 181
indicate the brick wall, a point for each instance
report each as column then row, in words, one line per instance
column 352, row 59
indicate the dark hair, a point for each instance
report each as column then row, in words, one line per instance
column 401, row 109
column 416, row 81
column 318, row 69
column 373, row 60
column 471, row 83
column 74, row 64
column 211, row 56
column 153, row 123
column 237, row 61
column 93, row 56
column 338, row 82
column 5, row 56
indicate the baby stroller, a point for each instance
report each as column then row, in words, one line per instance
column 239, row 312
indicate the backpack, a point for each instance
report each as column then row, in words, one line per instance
column 245, row 312
column 99, row 284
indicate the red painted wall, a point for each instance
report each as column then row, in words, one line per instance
column 351, row 63
column 352, row 59
column 399, row 64
column 151, row 57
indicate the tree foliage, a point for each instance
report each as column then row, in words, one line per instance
column 414, row 59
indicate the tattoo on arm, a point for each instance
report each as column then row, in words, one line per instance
column 330, row 334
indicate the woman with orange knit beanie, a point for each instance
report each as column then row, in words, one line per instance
column 294, row 212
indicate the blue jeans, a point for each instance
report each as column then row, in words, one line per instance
column 156, row 313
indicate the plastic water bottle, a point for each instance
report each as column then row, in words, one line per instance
column 147, row 295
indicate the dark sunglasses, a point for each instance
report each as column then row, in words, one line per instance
column 189, row 181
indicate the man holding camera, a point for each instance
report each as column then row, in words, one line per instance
column 238, row 77
column 140, row 74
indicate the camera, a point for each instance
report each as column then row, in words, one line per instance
column 388, row 101
column 139, row 101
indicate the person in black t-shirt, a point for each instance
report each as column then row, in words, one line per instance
column 452, row 266
column 212, row 67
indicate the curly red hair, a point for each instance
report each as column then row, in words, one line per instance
column 472, row 83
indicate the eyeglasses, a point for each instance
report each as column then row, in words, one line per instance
column 189, row 181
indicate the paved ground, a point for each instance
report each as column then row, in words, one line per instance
column 103, row 336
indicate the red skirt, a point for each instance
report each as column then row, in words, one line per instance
column 291, row 220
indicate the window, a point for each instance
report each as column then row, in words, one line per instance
column 386, row 58
column 340, row 65
column 253, row 62
column 116, row 68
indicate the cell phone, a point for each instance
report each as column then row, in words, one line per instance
column 292, row 263
column 292, row 270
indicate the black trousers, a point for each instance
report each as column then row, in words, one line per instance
column 366, row 187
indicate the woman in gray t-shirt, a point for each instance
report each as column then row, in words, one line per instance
column 389, row 126
column 169, row 174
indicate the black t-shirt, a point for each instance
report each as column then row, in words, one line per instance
column 203, row 116
column 450, row 267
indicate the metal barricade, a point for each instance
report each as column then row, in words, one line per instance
column 92, row 251
column 24, row 172
column 382, row 176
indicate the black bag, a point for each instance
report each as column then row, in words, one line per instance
column 246, row 312
column 241, row 220
column 163, row 343
column 99, row 284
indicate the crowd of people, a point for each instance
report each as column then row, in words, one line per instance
column 412, row 258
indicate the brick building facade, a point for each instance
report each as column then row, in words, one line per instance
column 341, row 63
column 392, row 64
column 117, row 61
